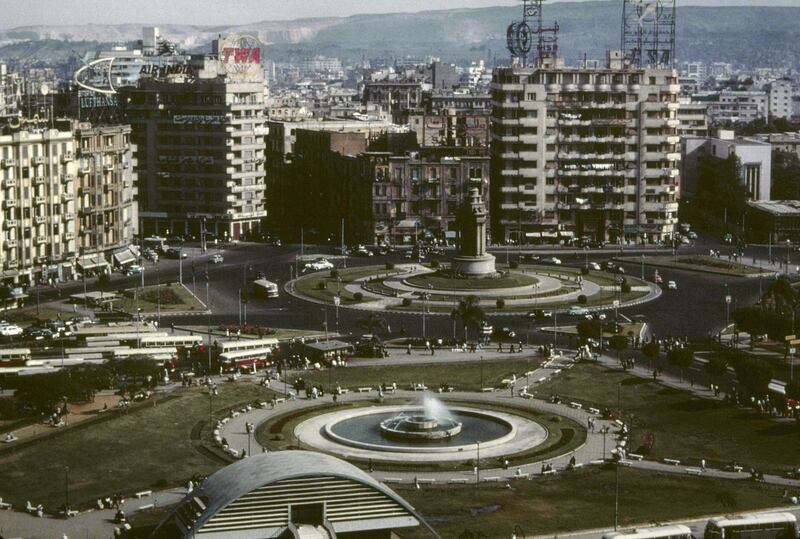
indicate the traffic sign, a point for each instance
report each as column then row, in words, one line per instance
column 616, row 303
column 337, row 300
column 728, row 300
column 794, row 341
column 792, row 350
column 790, row 337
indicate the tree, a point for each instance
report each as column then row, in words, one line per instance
column 717, row 366
column 754, row 374
column 681, row 358
column 793, row 389
column 589, row 329
column 781, row 295
column 651, row 350
column 618, row 343
column 719, row 190
column 470, row 313
column 373, row 324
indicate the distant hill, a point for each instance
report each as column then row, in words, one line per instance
column 754, row 35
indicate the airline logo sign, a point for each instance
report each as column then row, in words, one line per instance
column 240, row 56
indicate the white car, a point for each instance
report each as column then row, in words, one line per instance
column 595, row 266
column 217, row 259
column 554, row 260
column 10, row 330
column 577, row 311
column 672, row 285
column 318, row 265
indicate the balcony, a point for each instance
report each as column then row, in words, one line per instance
column 68, row 178
column 68, row 216
column 67, row 157
column 39, row 200
column 108, row 167
column 40, row 219
column 41, row 239
column 9, row 203
column 66, row 197
column 9, row 183
column 10, row 244
column 38, row 180
column 38, row 160
column 69, row 236
column 10, row 223
column 9, row 162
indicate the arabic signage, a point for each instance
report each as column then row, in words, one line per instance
column 207, row 119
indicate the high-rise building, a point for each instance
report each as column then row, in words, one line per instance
column 780, row 98
column 585, row 152
column 200, row 144
column 67, row 200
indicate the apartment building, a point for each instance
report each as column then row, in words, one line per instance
column 200, row 145
column 737, row 106
column 693, row 118
column 107, row 211
column 780, row 98
column 584, row 153
column 452, row 128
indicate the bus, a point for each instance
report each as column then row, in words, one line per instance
column 253, row 358
column 265, row 289
column 754, row 526
column 666, row 532
column 159, row 354
column 14, row 357
column 178, row 341
column 246, row 344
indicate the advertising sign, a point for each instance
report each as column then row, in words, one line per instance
column 240, row 56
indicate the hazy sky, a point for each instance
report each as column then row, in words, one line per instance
column 33, row 12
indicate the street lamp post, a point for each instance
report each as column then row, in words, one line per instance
column 643, row 266
column 208, row 327
column 478, row 465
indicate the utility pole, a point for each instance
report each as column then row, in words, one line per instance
column 478, row 465
column 208, row 326
column 66, row 491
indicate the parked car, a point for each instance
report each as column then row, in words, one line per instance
column 672, row 285
column 175, row 253
column 577, row 311
column 9, row 330
column 38, row 334
column 503, row 333
column 217, row 259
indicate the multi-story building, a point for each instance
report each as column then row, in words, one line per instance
column 754, row 156
column 382, row 190
column 39, row 211
column 736, row 106
column 451, row 128
column 585, row 152
column 782, row 142
column 200, row 145
column 780, row 98
column 107, row 212
column 693, row 118
column 395, row 97
column 438, row 100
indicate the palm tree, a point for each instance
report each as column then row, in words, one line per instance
column 470, row 313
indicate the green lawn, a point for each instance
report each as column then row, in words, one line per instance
column 148, row 448
column 685, row 427
column 695, row 262
column 173, row 298
column 464, row 376
column 578, row 500
column 309, row 284
column 443, row 282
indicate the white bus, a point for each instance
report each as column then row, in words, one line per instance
column 246, row 344
column 10, row 357
column 265, row 289
column 169, row 353
column 665, row 532
column 755, row 526
column 178, row 341
column 254, row 358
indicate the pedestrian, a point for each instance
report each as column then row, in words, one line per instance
column 499, row 347
column 703, row 464
column 408, row 349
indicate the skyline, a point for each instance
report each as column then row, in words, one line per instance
column 115, row 12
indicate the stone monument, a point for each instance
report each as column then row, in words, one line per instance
column 473, row 260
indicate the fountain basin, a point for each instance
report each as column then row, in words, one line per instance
column 419, row 427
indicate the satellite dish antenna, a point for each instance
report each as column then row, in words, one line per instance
column 44, row 89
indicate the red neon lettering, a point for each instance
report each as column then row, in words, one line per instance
column 227, row 51
column 241, row 56
column 255, row 55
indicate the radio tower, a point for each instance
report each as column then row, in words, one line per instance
column 648, row 32
column 519, row 35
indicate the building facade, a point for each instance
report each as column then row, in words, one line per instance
column 585, row 153
column 780, row 98
column 200, row 150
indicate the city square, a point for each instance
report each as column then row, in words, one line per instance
column 502, row 269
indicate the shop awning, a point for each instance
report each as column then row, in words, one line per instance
column 407, row 223
column 92, row 262
column 126, row 256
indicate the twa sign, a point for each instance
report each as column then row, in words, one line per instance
column 240, row 56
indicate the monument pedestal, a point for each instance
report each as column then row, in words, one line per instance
column 475, row 266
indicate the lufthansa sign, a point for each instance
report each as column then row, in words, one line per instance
column 240, row 56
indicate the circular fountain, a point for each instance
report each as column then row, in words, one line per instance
column 419, row 427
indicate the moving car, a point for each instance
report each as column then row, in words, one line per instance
column 595, row 266
column 217, row 259
column 672, row 285
column 319, row 264
column 539, row 314
column 577, row 311
column 175, row 253
column 134, row 269
column 503, row 333
column 9, row 330
column 553, row 260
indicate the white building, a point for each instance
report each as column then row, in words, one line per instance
column 780, row 98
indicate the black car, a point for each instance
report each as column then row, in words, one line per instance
column 174, row 253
